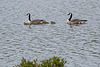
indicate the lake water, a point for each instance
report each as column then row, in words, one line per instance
column 79, row 45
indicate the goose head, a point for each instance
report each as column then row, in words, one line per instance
column 28, row 13
column 29, row 17
column 70, row 14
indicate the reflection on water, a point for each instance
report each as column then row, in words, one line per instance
column 79, row 45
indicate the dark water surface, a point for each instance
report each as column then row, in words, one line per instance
column 79, row 45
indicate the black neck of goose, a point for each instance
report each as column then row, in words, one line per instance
column 70, row 17
column 29, row 17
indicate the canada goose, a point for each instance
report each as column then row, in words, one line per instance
column 37, row 21
column 75, row 21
